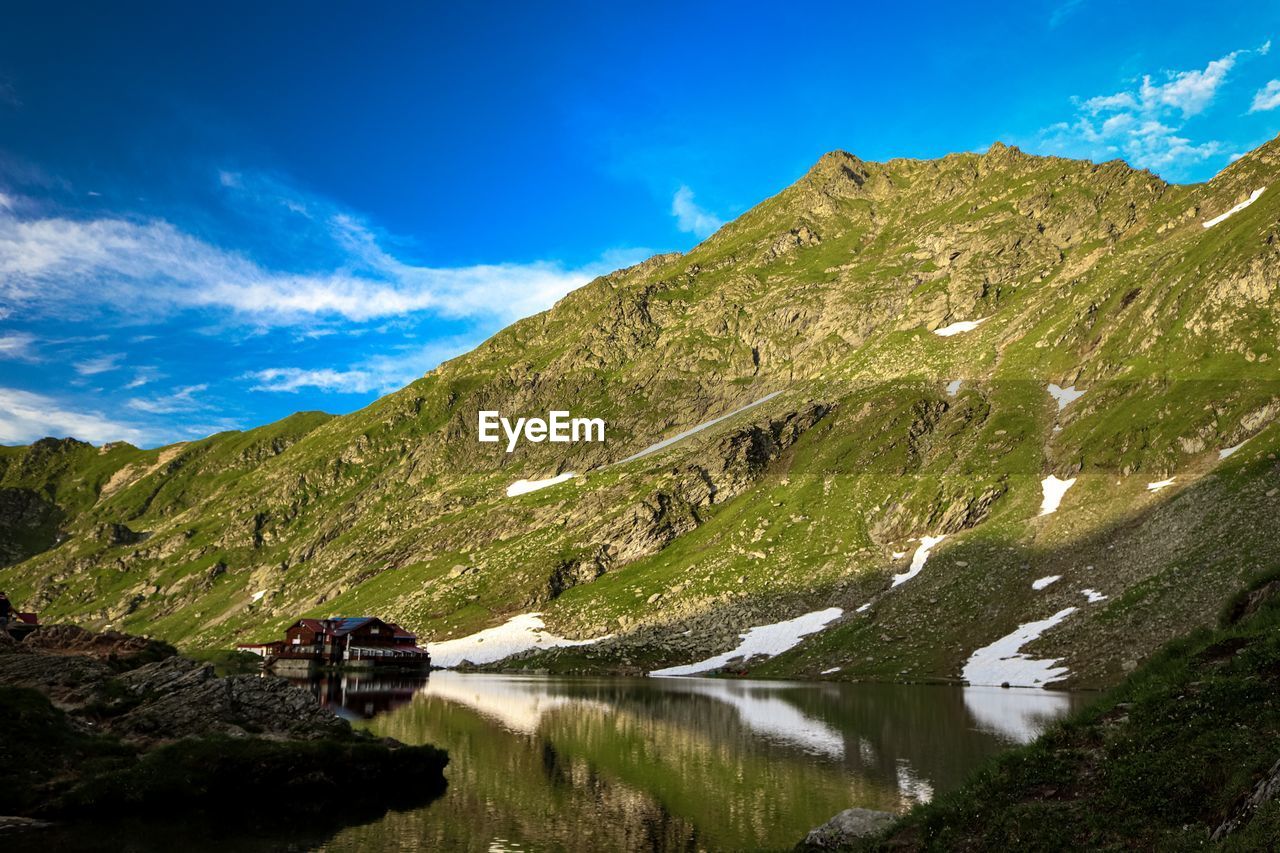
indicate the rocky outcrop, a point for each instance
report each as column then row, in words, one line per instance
column 107, row 735
column 74, row 640
column 177, row 698
column 725, row 470
column 141, row 698
column 28, row 524
column 846, row 828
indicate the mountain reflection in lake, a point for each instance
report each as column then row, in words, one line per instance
column 549, row 763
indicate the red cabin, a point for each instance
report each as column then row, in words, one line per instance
column 342, row 640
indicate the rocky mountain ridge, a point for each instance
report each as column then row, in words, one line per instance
column 904, row 319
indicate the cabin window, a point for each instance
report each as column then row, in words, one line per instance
column 297, row 641
column 373, row 631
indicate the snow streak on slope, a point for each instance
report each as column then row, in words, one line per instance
column 1064, row 396
column 523, row 487
column 765, row 640
column 1045, row 581
column 1093, row 595
column 1239, row 207
column 667, row 442
column 518, row 634
column 953, row 387
column 957, row 328
column 1003, row 662
column 918, row 559
column 1229, row 451
column 1053, row 489
column 1161, row 484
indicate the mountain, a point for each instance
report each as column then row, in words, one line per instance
column 906, row 329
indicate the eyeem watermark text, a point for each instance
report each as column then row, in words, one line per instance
column 557, row 427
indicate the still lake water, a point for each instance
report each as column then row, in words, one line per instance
column 602, row 764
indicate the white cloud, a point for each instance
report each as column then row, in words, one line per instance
column 25, row 417
column 142, row 376
column 381, row 374
column 181, row 400
column 99, row 364
column 1189, row 92
column 690, row 217
column 17, row 345
column 1266, row 98
column 1145, row 125
column 147, row 268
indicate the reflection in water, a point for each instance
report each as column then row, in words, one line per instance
column 361, row 695
column 1017, row 714
column 673, row 763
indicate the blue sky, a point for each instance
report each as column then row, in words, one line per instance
column 212, row 217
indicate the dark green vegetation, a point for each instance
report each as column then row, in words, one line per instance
column 1167, row 760
column 1097, row 276
column 55, row 770
column 103, row 729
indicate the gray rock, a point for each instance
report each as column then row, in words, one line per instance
column 846, row 827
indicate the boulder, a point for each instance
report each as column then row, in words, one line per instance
column 846, row 827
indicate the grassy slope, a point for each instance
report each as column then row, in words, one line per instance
column 1158, row 764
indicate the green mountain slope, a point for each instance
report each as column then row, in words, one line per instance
column 1097, row 277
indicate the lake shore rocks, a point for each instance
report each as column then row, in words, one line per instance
column 845, row 828
column 97, row 728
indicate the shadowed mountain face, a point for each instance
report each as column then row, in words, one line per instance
column 925, row 329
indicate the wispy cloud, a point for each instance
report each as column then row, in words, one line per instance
column 150, row 268
column 181, row 400
column 1145, row 125
column 99, row 364
column 142, row 376
column 18, row 345
column 380, row 374
column 1266, row 98
column 692, row 218
column 26, row 416
column 1063, row 11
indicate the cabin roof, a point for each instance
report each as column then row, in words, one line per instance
column 340, row 626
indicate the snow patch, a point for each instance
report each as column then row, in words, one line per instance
column 918, row 559
column 764, row 640
column 898, row 555
column 1064, row 396
column 864, row 608
column 1209, row 223
column 1228, row 451
column 1053, row 489
column 953, row 387
column 523, row 487
column 257, row 596
column 667, row 442
column 1162, row 484
column 1045, row 581
column 518, row 634
column 1093, row 595
column 829, row 671
column 1020, row 716
column 957, row 328
column 1003, row 662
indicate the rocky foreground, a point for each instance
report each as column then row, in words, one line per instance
column 102, row 727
